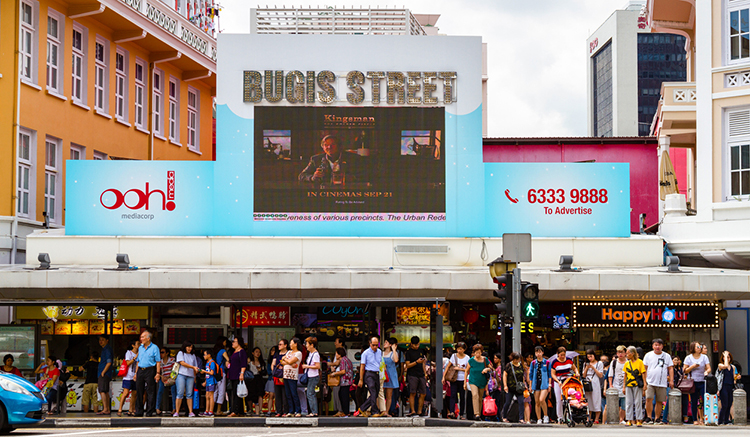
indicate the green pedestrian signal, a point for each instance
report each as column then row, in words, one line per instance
column 529, row 301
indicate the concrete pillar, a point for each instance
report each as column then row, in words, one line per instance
column 613, row 406
column 674, row 415
column 740, row 407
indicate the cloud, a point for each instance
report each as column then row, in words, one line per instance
column 536, row 55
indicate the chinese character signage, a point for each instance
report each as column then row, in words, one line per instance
column 264, row 316
column 645, row 315
column 80, row 312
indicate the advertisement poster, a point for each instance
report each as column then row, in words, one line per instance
column 413, row 316
column 349, row 164
column 645, row 315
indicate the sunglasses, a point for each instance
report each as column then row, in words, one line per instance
column 164, row 352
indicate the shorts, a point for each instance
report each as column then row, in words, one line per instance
column 659, row 392
column 89, row 394
column 103, row 384
column 211, row 388
column 622, row 402
column 128, row 384
column 417, row 385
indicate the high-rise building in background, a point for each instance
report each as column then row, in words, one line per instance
column 627, row 65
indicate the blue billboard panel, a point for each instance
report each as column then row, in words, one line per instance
column 558, row 199
column 139, row 198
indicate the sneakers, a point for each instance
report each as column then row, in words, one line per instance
column 622, row 422
column 176, row 415
column 191, row 415
column 539, row 422
column 546, row 419
column 357, row 413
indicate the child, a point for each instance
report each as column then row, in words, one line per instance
column 575, row 397
column 210, row 383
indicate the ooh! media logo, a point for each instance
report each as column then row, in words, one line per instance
column 143, row 197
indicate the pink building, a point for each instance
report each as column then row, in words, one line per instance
column 640, row 152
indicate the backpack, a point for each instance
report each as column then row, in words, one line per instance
column 712, row 384
column 218, row 374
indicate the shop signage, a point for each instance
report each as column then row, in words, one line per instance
column 265, row 316
column 560, row 199
column 645, row 315
column 79, row 312
column 343, row 312
column 395, row 87
column 413, row 316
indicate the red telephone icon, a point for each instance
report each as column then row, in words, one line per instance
column 507, row 194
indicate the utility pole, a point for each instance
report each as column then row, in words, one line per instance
column 517, row 310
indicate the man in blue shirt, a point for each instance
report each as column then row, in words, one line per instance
column 369, row 374
column 147, row 371
column 105, row 373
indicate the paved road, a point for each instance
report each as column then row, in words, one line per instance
column 557, row 431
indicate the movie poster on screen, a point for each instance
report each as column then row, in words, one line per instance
column 349, row 164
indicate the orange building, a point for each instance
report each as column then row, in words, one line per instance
column 95, row 79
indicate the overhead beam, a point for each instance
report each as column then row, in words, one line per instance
column 171, row 55
column 189, row 75
column 86, row 9
column 121, row 36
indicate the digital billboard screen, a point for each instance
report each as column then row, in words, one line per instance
column 349, row 164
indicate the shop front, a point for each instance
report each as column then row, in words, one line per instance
column 603, row 326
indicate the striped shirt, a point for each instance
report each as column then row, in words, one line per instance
column 563, row 369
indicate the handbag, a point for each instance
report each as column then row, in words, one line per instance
column 587, row 385
column 520, row 388
column 123, row 369
column 451, row 374
column 686, row 385
column 249, row 375
column 334, row 381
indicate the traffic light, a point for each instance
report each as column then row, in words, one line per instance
column 504, row 292
column 529, row 301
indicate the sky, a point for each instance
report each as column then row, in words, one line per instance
column 537, row 54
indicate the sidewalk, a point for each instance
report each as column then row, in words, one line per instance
column 110, row 422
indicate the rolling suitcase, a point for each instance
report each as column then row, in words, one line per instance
column 710, row 409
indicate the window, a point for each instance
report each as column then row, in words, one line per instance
column 51, row 179
column 193, row 128
column 28, row 42
column 55, row 34
column 121, row 85
column 140, row 92
column 739, row 30
column 100, row 156
column 101, row 73
column 79, row 64
column 25, row 175
column 738, row 154
column 425, row 143
column 158, row 103
column 174, row 110
column 602, row 65
column 77, row 153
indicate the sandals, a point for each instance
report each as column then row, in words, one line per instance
column 119, row 414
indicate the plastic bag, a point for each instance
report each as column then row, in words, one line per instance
column 241, row 390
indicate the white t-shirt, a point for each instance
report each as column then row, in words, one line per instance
column 290, row 370
column 460, row 362
column 130, row 355
column 657, row 368
column 697, row 373
column 312, row 359
column 187, row 359
column 619, row 377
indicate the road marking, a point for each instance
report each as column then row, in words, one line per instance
column 90, row 432
column 275, row 434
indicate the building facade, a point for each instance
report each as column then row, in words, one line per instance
column 627, row 64
column 111, row 79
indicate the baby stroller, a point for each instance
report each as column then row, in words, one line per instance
column 575, row 407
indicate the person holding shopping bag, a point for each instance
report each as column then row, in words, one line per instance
column 236, row 369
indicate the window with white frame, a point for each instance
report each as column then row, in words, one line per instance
column 101, row 72
column 738, row 154
column 174, row 108
column 121, row 85
column 28, row 38
column 193, row 120
column 55, row 34
column 140, row 93
column 52, row 178
column 158, row 102
column 78, row 61
column 100, row 156
column 738, row 34
column 77, row 152
column 25, row 175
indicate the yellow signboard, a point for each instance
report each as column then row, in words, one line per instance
column 67, row 312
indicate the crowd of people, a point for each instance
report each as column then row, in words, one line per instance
column 295, row 380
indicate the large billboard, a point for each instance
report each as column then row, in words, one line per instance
column 349, row 164
column 339, row 135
